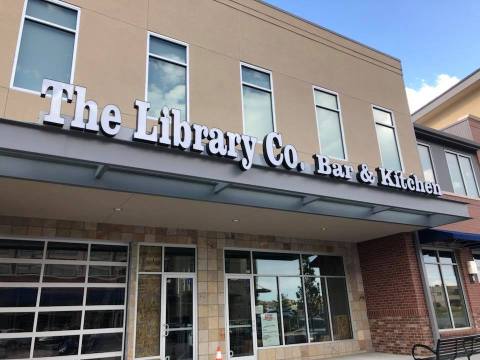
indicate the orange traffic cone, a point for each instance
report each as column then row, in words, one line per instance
column 219, row 354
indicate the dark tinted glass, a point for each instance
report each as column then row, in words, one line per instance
column 64, row 273
column 179, row 345
column 446, row 257
column 105, row 296
column 56, row 346
column 107, row 274
column 67, row 251
column 337, row 292
column 15, row 348
column 276, row 263
column 429, row 256
column 109, row 358
column 179, row 260
column 59, row 320
column 21, row 249
column 108, row 253
column 16, row 322
column 20, row 272
column 18, row 297
column 103, row 319
column 61, row 297
column 179, row 313
column 323, row 265
column 237, row 262
column 150, row 259
column 100, row 343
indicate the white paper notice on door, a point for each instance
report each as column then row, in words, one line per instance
column 270, row 336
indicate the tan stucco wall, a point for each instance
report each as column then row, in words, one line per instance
column 462, row 105
column 111, row 63
column 210, row 277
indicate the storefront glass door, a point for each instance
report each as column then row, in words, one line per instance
column 241, row 329
column 166, row 303
column 178, row 331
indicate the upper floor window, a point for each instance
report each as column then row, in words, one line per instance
column 446, row 291
column 167, row 78
column 329, row 124
column 47, row 44
column 387, row 139
column 462, row 175
column 257, row 94
column 427, row 163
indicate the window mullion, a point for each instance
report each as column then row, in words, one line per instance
column 281, row 308
column 256, row 87
column 51, row 24
column 158, row 57
column 447, row 298
column 305, row 308
column 325, row 279
column 461, row 174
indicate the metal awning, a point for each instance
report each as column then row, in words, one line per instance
column 47, row 154
column 450, row 238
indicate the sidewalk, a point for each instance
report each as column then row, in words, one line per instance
column 373, row 356
column 381, row 356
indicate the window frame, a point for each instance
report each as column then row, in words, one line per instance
column 395, row 133
column 37, row 309
column 186, row 65
column 302, row 276
column 429, row 149
column 271, row 91
column 447, row 298
column 340, row 119
column 52, row 25
column 469, row 158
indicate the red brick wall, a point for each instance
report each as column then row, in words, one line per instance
column 396, row 305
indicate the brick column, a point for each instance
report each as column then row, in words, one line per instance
column 396, row 304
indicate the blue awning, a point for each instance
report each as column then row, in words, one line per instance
column 461, row 239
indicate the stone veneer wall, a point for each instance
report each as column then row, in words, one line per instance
column 210, row 277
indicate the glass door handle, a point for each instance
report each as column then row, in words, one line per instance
column 231, row 353
column 166, row 332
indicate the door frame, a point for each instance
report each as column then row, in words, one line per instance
column 253, row 315
column 163, row 312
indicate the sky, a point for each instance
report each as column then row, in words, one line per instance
column 438, row 41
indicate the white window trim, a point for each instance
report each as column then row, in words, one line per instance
column 85, row 285
column 163, row 275
column 394, row 127
column 271, row 91
column 429, row 149
column 339, row 111
column 300, row 253
column 186, row 65
column 469, row 157
column 20, row 34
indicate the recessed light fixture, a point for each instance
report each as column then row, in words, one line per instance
column 324, row 228
column 236, row 220
column 117, row 209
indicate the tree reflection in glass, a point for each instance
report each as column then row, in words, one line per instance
column 267, row 310
column 317, row 306
column 293, row 307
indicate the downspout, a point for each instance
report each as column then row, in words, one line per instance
column 426, row 291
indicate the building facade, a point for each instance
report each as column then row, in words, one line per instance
column 172, row 184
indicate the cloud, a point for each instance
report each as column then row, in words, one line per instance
column 427, row 92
